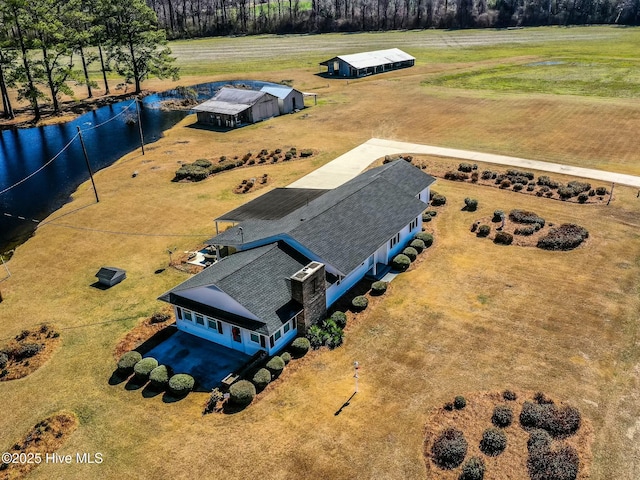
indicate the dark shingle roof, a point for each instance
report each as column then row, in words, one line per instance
column 346, row 225
column 250, row 288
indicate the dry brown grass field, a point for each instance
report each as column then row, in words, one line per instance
column 472, row 316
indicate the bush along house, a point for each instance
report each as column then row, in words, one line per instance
column 288, row 270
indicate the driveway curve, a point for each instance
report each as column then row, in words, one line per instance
column 350, row 164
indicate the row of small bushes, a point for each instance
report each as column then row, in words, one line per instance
column 159, row 376
column 450, row 448
column 557, row 421
column 526, row 217
column 421, row 241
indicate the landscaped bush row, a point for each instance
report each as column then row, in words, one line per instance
column 524, row 216
column 159, row 376
column 565, row 237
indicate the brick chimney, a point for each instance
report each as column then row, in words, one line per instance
column 308, row 289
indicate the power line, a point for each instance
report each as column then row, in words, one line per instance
column 132, row 234
column 110, row 119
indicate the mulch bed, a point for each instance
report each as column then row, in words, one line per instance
column 512, row 463
column 143, row 332
column 44, row 438
column 42, row 340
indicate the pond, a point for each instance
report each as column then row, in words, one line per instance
column 36, row 179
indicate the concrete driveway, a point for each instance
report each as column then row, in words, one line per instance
column 350, row 164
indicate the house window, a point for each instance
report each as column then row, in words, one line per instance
column 219, row 327
column 199, row 319
column 287, row 327
column 179, row 313
column 187, row 315
column 212, row 324
column 413, row 224
column 277, row 335
column 393, row 242
column 255, row 338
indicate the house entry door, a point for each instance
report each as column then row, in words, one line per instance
column 237, row 335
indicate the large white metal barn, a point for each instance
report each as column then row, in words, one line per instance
column 368, row 63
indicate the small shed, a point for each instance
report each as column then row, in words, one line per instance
column 231, row 107
column 368, row 63
column 289, row 99
column 110, row 276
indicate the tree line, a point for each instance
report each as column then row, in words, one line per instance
column 45, row 44
column 194, row 18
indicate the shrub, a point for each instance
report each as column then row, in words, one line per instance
column 286, row 358
column 26, row 350
column 159, row 317
column 459, row 402
column 541, row 399
column 547, row 182
column 340, row 319
column 203, row 163
column 471, row 204
column 456, row 176
column 486, row 175
column 159, row 377
column 400, row 262
column 288, row 156
column 509, row 395
column 523, row 216
column 275, row 366
column 520, row 174
column 418, row 245
column 484, row 230
column 306, row 152
column 474, row 177
column 465, row 167
column 583, row 197
column 566, row 192
column 426, row 217
column 334, row 337
column 128, row 361
column 560, row 464
column 300, row 347
column 517, row 187
column 473, row 469
column 380, row 287
column 579, row 187
column 592, row 193
column 359, row 303
column 262, row 378
column 4, row 359
column 503, row 238
column 426, row 238
column 144, row 367
column 474, row 226
column 505, row 183
column 242, row 393
column 565, row 237
column 558, row 421
column 539, row 439
column 449, row 449
column 448, row 406
column 498, row 215
column 192, row 172
column 493, row 442
column 410, row 252
column 315, row 336
column 531, row 188
column 601, row 191
column 438, row 200
column 528, row 230
column 502, row 416
column 181, row 384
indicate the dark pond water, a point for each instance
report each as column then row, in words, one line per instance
column 24, row 151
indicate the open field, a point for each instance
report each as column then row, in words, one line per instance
column 472, row 316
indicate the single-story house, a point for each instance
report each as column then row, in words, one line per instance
column 231, row 107
column 290, row 269
column 368, row 63
column 289, row 99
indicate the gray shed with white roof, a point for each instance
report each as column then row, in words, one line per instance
column 368, row 63
column 289, row 99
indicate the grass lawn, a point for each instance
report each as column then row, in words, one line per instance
column 472, row 316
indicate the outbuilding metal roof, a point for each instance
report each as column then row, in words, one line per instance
column 373, row 59
column 231, row 101
column 277, row 91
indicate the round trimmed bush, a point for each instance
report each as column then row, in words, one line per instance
column 498, row 215
column 471, row 204
column 340, row 319
column 459, row 402
column 502, row 416
column 427, row 238
column 128, row 361
column 418, row 245
column 503, row 238
column 531, row 415
column 583, row 197
column 539, row 439
column 493, row 442
column 509, row 395
column 144, row 367
column 473, row 469
column 410, row 252
column 181, row 384
column 560, row 464
column 262, row 378
column 379, row 288
column 483, row 231
column 242, row 393
column 449, row 449
column 159, row 377
column 286, row 358
column 400, row 262
column 438, row 200
column 4, row 359
column 300, row 347
column 360, row 303
column 275, row 365
column 601, row 191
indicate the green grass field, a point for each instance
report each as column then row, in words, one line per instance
column 471, row 316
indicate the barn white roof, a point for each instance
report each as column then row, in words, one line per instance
column 374, row 59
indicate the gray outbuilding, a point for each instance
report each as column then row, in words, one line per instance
column 110, row 276
column 289, row 99
column 368, row 63
column 232, row 107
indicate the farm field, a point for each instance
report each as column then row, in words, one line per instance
column 470, row 316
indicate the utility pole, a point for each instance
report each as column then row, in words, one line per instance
column 86, row 159
column 140, row 126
